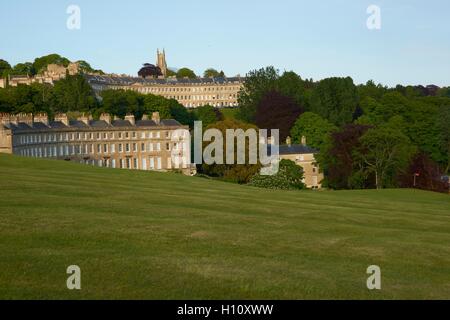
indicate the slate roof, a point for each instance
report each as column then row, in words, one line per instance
column 93, row 124
column 126, row 81
column 295, row 149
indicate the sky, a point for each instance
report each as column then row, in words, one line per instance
column 316, row 39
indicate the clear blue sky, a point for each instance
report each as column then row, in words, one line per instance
column 316, row 39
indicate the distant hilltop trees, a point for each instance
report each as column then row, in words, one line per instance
column 39, row 65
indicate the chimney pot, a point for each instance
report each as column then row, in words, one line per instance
column 156, row 118
column 304, row 140
column 130, row 118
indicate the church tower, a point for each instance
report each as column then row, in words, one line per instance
column 161, row 62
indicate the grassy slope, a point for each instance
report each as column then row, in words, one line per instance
column 166, row 236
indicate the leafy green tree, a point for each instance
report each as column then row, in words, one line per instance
column 73, row 94
column 208, row 115
column 316, row 129
column 5, row 67
column 211, row 73
column 123, row 102
column 371, row 90
column 171, row 73
column 41, row 63
column 288, row 177
column 186, row 73
column 385, row 151
column 239, row 173
column 26, row 68
column 335, row 99
column 257, row 84
column 444, row 128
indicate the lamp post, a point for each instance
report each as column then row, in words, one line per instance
column 415, row 175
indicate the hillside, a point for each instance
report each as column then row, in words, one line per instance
column 166, row 236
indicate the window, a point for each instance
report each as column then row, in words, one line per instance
column 135, row 163
column 142, row 147
column 134, row 147
column 120, row 147
column 152, row 163
column 99, row 148
column 168, row 146
column 134, row 134
column 113, row 148
column 105, row 148
column 158, row 147
column 127, row 147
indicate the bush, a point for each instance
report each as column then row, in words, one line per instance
column 289, row 177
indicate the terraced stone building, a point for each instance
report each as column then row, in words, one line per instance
column 147, row 144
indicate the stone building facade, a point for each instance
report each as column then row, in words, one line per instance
column 303, row 156
column 52, row 73
column 147, row 144
column 191, row 93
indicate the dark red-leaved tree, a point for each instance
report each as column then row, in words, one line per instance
column 338, row 158
column 276, row 111
column 423, row 173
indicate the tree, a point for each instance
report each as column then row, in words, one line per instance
column 337, row 158
column 86, row 68
column 316, row 129
column 384, row 151
column 239, row 173
column 423, row 173
column 276, row 111
column 23, row 69
column 186, row 73
column 5, row 67
column 444, row 129
column 208, row 115
column 335, row 99
column 288, row 177
column 73, row 94
column 256, row 86
column 41, row 63
column 171, row 73
column 211, row 73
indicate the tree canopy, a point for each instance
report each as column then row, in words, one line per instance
column 186, row 73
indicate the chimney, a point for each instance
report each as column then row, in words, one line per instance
column 156, row 118
column 14, row 119
column 130, row 118
column 26, row 118
column 288, row 141
column 62, row 117
column 145, row 117
column 303, row 140
column 85, row 118
column 5, row 118
column 106, row 117
column 41, row 117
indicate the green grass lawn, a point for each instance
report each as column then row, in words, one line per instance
column 145, row 235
